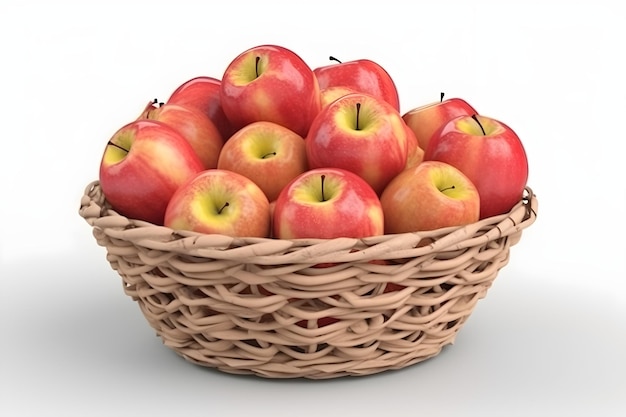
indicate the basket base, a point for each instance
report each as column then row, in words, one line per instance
column 330, row 370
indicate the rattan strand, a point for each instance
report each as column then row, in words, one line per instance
column 310, row 308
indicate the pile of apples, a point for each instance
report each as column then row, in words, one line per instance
column 274, row 148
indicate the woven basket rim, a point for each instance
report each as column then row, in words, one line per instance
column 98, row 213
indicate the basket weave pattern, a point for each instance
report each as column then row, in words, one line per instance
column 306, row 308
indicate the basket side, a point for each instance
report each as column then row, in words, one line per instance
column 310, row 308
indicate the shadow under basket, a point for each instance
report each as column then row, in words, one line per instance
column 311, row 308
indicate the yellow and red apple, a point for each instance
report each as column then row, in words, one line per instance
column 362, row 134
column 327, row 203
column 143, row 164
column 269, row 154
column 429, row 196
column 425, row 120
column 362, row 75
column 330, row 94
column 490, row 153
column 203, row 93
column 222, row 202
column 270, row 83
column 193, row 125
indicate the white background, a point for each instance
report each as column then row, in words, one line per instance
column 548, row 340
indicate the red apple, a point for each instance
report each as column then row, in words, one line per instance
column 143, row 164
column 429, row 196
column 392, row 286
column 203, row 93
column 317, row 323
column 488, row 152
column 271, row 83
column 362, row 134
column 327, row 203
column 425, row 120
column 269, row 154
column 415, row 153
column 272, row 207
column 217, row 201
column 361, row 75
column 193, row 125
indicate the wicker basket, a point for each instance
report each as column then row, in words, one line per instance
column 306, row 308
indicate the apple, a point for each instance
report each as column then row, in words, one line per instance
column 217, row 201
column 425, row 120
column 362, row 134
column 272, row 83
column 392, row 286
column 143, row 164
column 203, row 93
column 488, row 152
column 361, row 75
column 330, row 94
column 429, row 196
column 193, row 125
column 317, row 323
column 327, row 203
column 415, row 153
column 272, row 207
column 269, row 154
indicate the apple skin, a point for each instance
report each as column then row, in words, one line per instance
column 348, row 207
column 139, row 183
column 279, row 88
column 377, row 150
column 203, row 93
column 217, row 201
column 495, row 162
column 361, row 75
column 425, row 120
column 194, row 126
column 422, row 198
column 269, row 154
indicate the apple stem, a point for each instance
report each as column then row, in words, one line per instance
column 268, row 155
column 481, row 126
column 441, row 96
column 358, row 110
column 332, row 58
column 323, row 179
column 117, row 146
column 159, row 103
column 223, row 207
column 448, row 188
column 256, row 68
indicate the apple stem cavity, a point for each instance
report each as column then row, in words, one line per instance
column 481, row 126
column 358, row 111
column 223, row 207
column 323, row 178
column 452, row 187
column 332, row 58
column 115, row 145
